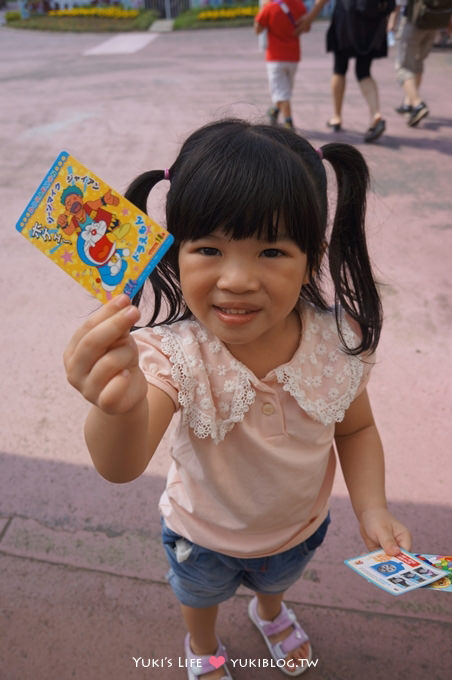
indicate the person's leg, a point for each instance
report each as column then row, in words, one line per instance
column 368, row 87
column 411, row 90
column 200, row 579
column 200, row 623
column 421, row 44
column 268, row 608
column 273, row 112
column 286, row 78
column 285, row 108
column 338, row 83
column 369, row 90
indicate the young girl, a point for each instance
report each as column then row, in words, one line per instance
column 262, row 377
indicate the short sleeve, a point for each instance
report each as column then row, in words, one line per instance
column 368, row 360
column 155, row 365
column 262, row 17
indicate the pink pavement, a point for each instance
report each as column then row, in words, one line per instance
column 82, row 588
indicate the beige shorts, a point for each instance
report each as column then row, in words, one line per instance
column 413, row 48
column 281, row 76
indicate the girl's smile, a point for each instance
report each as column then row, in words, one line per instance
column 245, row 291
column 235, row 315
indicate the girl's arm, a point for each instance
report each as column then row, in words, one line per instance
column 128, row 417
column 258, row 28
column 362, row 460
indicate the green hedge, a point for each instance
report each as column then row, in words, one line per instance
column 83, row 24
column 189, row 19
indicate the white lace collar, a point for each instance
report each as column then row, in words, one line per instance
column 216, row 390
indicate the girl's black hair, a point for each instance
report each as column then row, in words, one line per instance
column 249, row 178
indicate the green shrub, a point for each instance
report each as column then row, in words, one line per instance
column 12, row 16
column 215, row 17
column 85, row 24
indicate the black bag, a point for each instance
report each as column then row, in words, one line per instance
column 430, row 14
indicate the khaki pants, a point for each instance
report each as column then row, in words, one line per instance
column 413, row 48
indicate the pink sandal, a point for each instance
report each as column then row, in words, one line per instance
column 200, row 665
column 280, row 650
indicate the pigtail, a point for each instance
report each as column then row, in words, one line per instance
column 164, row 282
column 355, row 289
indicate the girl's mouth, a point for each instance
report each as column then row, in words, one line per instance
column 235, row 315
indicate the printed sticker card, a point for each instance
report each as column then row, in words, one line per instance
column 443, row 562
column 396, row 575
column 92, row 232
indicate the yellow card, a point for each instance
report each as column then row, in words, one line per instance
column 92, row 232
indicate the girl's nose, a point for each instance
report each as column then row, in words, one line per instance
column 237, row 277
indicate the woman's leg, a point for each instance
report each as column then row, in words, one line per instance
column 369, row 88
column 268, row 608
column 200, row 622
column 338, row 82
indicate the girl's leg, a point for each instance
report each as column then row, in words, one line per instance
column 268, row 608
column 286, row 110
column 200, row 622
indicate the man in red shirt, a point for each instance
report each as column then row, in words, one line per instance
column 282, row 54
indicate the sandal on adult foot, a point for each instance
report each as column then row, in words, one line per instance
column 337, row 127
column 280, row 650
column 200, row 665
column 374, row 132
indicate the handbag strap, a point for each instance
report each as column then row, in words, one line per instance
column 286, row 10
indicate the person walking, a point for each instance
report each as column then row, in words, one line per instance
column 357, row 30
column 414, row 46
column 282, row 54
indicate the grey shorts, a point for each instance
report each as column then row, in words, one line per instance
column 281, row 76
column 413, row 48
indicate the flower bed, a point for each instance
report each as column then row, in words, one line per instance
column 110, row 12
column 228, row 13
column 88, row 19
column 213, row 17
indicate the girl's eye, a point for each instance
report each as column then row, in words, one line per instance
column 272, row 252
column 209, row 252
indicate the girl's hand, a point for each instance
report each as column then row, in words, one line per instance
column 380, row 529
column 101, row 360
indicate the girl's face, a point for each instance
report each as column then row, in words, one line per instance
column 244, row 291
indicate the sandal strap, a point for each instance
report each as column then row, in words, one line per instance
column 202, row 663
column 295, row 639
column 285, row 618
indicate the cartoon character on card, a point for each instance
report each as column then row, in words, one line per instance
column 83, row 214
column 98, row 233
column 95, row 249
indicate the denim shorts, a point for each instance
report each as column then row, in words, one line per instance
column 202, row 578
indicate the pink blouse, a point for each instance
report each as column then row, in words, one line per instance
column 252, row 459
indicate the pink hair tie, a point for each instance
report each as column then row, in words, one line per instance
column 320, row 153
column 166, row 173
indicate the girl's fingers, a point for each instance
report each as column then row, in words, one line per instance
column 95, row 337
column 123, row 392
column 106, row 311
column 119, row 359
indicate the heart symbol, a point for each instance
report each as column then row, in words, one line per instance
column 217, row 661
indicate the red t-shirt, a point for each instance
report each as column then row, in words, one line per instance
column 283, row 45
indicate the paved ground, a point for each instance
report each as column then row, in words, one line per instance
column 82, row 587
